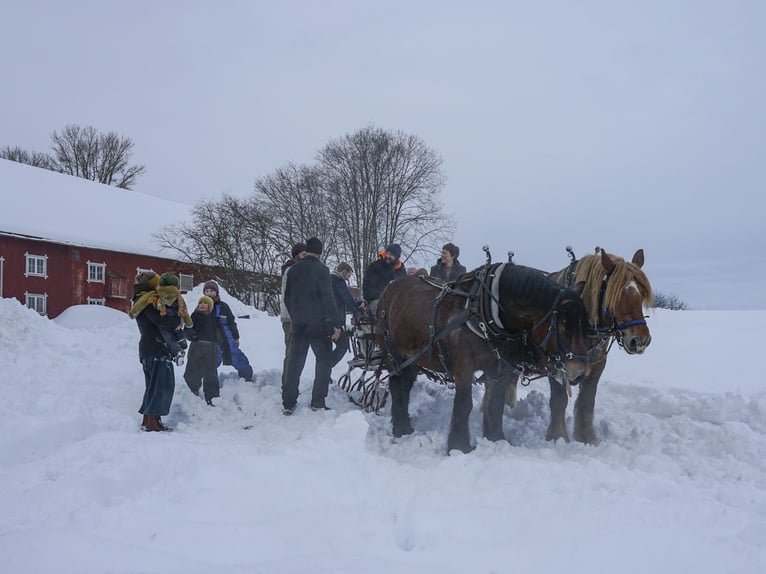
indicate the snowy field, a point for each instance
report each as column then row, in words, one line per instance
column 677, row 484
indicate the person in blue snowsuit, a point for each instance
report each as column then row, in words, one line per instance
column 228, row 335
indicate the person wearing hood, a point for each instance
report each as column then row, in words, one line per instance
column 386, row 268
column 447, row 267
column 228, row 334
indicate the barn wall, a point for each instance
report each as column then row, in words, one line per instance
column 67, row 273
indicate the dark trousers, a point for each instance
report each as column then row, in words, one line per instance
column 341, row 347
column 160, row 385
column 286, row 330
column 301, row 338
column 201, row 369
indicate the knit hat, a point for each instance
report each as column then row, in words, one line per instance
column 297, row 249
column 210, row 285
column 208, row 300
column 168, row 279
column 149, row 278
column 394, row 249
column 313, row 245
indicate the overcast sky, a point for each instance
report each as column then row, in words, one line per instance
column 618, row 124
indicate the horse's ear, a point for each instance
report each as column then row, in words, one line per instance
column 607, row 262
column 638, row 258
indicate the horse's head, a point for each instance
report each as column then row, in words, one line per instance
column 625, row 292
column 554, row 317
column 565, row 342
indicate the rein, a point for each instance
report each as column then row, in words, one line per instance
column 481, row 315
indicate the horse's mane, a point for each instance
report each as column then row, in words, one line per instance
column 537, row 289
column 591, row 271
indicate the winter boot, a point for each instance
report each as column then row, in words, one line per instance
column 151, row 423
column 162, row 426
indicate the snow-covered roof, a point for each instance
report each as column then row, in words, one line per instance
column 65, row 209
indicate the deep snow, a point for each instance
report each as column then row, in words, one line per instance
column 677, row 484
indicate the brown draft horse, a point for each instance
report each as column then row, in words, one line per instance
column 496, row 318
column 615, row 293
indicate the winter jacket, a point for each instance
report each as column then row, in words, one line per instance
column 378, row 274
column 438, row 271
column 156, row 330
column 205, row 327
column 308, row 295
column 343, row 299
column 166, row 298
column 226, row 321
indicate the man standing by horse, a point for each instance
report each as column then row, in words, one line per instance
column 310, row 302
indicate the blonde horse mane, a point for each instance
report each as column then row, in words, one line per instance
column 590, row 270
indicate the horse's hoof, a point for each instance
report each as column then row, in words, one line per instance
column 555, row 435
column 465, row 449
column 587, row 438
column 460, row 443
column 494, row 436
column 403, row 429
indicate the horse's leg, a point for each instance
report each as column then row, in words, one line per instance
column 557, row 427
column 511, row 393
column 459, row 435
column 400, row 386
column 495, row 399
column 585, row 404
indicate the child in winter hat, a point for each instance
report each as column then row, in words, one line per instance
column 211, row 286
column 201, row 372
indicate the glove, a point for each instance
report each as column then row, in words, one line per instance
column 175, row 349
column 191, row 334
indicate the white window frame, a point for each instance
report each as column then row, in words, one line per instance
column 39, row 260
column 36, row 300
column 94, row 270
column 96, row 301
column 185, row 282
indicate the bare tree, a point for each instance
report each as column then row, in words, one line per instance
column 299, row 207
column 85, row 153
column 234, row 236
column 33, row 158
column 384, row 187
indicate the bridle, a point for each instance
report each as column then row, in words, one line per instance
column 481, row 314
column 613, row 330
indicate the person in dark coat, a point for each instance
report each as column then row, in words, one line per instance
column 296, row 254
column 313, row 314
column 202, row 366
column 380, row 273
column 228, row 334
column 164, row 295
column 345, row 303
column 447, row 267
column 155, row 355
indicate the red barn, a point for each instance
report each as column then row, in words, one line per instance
column 69, row 241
